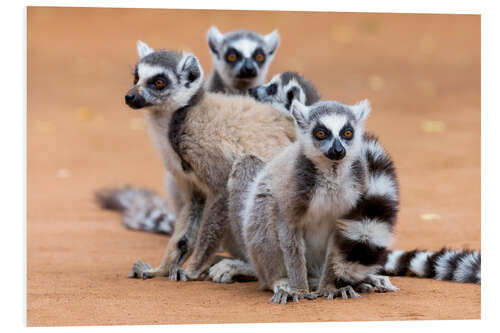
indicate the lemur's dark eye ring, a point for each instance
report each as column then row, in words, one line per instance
column 320, row 134
column 231, row 57
column 259, row 57
column 271, row 89
column 160, row 83
column 347, row 134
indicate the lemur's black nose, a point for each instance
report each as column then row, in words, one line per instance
column 248, row 70
column 336, row 151
column 135, row 101
column 129, row 98
column 253, row 92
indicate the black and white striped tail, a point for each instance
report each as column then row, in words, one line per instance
column 446, row 264
column 141, row 209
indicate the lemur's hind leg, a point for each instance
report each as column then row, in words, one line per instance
column 180, row 245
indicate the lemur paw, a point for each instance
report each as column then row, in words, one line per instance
column 222, row 272
column 381, row 283
column 141, row 270
column 348, row 292
column 329, row 291
column 283, row 292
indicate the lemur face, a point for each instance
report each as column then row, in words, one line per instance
column 280, row 92
column 330, row 129
column 164, row 78
column 242, row 57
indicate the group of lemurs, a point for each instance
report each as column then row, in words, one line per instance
column 291, row 186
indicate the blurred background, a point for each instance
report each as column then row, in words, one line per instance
column 420, row 72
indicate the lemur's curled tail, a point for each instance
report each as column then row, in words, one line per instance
column 141, row 209
column 446, row 264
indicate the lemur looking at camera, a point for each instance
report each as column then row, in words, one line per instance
column 281, row 91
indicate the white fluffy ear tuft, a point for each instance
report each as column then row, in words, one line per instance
column 299, row 113
column 272, row 40
column 362, row 110
column 143, row 49
column 214, row 38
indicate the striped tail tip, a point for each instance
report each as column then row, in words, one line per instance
column 446, row 264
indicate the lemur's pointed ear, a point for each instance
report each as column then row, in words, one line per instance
column 143, row 49
column 189, row 68
column 272, row 40
column 299, row 113
column 214, row 38
column 362, row 110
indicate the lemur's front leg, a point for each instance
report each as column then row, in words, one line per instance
column 180, row 245
column 292, row 244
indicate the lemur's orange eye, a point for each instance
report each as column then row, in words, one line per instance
column 159, row 83
column 320, row 134
column 259, row 57
column 231, row 57
column 347, row 134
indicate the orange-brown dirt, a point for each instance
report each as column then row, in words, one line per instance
column 421, row 73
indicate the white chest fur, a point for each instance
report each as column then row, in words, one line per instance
column 335, row 194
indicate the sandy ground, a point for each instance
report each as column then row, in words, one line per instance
column 421, row 73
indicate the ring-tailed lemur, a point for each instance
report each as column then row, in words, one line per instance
column 324, row 208
column 446, row 264
column 200, row 135
column 240, row 60
column 459, row 266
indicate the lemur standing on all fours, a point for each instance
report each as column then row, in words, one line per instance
column 240, row 60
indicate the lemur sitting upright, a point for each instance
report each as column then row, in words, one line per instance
column 240, row 60
column 324, row 208
column 199, row 135
column 459, row 266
